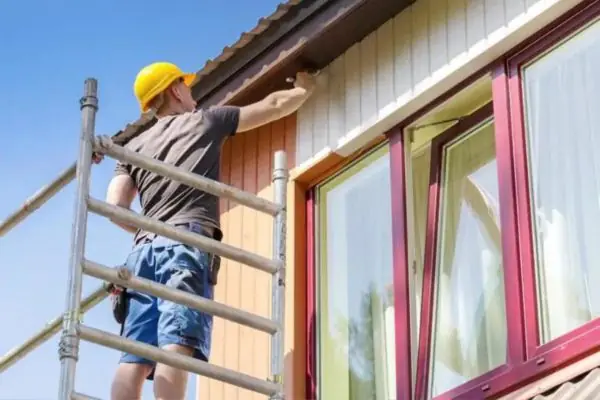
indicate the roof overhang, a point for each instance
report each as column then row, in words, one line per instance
column 300, row 34
column 311, row 34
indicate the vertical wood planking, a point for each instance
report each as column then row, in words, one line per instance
column 368, row 79
column 475, row 23
column 248, row 274
column 403, row 65
column 262, row 345
column 289, row 125
column 246, row 163
column 457, row 30
column 399, row 60
column 514, row 8
column 438, row 34
column 234, row 238
column 420, row 44
column 384, row 89
column 494, row 15
column 321, row 116
column 336, row 107
column 353, row 91
column 305, row 125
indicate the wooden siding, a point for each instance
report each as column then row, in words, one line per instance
column 247, row 164
column 407, row 55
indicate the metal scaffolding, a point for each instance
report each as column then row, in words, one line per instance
column 73, row 330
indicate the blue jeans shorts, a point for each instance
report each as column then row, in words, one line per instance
column 158, row 322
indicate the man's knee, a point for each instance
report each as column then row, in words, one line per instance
column 128, row 381
column 170, row 383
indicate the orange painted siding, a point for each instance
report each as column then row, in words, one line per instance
column 247, row 164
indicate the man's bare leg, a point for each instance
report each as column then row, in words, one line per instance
column 128, row 381
column 171, row 383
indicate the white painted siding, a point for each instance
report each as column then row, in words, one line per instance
column 409, row 55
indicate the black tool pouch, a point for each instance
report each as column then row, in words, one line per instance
column 118, row 298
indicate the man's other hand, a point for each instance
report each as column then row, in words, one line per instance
column 97, row 158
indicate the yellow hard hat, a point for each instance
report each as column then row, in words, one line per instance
column 155, row 78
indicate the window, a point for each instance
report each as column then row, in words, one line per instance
column 469, row 329
column 356, row 331
column 463, row 275
column 561, row 93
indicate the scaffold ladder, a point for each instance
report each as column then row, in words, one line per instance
column 73, row 330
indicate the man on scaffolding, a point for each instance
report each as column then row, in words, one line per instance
column 191, row 139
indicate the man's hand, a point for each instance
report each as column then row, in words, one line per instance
column 97, row 158
column 277, row 105
column 305, row 81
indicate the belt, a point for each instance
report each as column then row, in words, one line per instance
column 197, row 228
column 190, row 226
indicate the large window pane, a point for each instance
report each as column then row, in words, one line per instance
column 469, row 330
column 355, row 299
column 562, row 96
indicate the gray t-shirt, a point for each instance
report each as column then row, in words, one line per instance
column 191, row 141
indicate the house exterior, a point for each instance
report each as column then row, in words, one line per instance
column 443, row 203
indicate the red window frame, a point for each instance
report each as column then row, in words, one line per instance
column 527, row 360
column 311, row 335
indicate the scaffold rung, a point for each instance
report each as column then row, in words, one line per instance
column 178, row 361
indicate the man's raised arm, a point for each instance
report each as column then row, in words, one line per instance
column 277, row 104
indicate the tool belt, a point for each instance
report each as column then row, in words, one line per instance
column 118, row 294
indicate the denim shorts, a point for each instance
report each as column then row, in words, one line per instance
column 158, row 322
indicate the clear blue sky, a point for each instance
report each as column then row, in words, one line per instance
column 48, row 49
